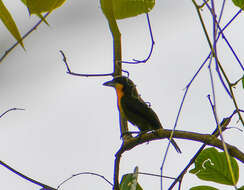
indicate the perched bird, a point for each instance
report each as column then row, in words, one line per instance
column 133, row 108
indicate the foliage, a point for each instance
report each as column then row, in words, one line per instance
column 128, row 180
column 34, row 6
column 203, row 188
column 211, row 165
column 239, row 3
column 125, row 9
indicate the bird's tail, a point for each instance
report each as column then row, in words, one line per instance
column 175, row 146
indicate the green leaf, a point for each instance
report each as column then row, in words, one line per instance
column 241, row 188
column 203, row 187
column 39, row 15
column 211, row 165
column 239, row 3
column 126, row 182
column 40, row 6
column 129, row 8
column 8, row 21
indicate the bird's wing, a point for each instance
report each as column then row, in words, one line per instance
column 139, row 113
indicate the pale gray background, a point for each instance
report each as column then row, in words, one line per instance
column 71, row 124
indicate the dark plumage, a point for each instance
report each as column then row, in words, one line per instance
column 133, row 108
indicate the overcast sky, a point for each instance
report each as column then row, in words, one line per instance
column 70, row 124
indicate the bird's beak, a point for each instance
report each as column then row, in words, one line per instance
column 109, row 83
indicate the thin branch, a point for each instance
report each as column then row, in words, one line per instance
column 221, row 11
column 232, row 19
column 156, row 175
column 218, row 62
column 23, row 37
column 116, row 167
column 235, row 83
column 232, row 50
column 212, row 107
column 221, row 68
column 79, row 74
column 208, row 40
column 90, row 75
column 12, row 109
column 136, row 61
column 202, row 5
column 65, row 61
column 179, row 112
column 84, row 173
column 221, row 32
column 26, row 177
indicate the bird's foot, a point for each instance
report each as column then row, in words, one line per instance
column 155, row 132
column 140, row 134
column 128, row 133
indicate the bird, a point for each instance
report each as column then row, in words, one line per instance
column 133, row 107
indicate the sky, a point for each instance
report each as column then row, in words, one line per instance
column 70, row 124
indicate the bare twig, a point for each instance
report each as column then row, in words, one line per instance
column 218, row 64
column 179, row 112
column 84, row 173
column 235, row 83
column 12, row 109
column 26, row 177
column 156, row 175
column 79, row 74
column 136, row 61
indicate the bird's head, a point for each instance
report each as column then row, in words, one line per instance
column 122, row 84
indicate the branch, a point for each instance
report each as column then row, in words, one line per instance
column 156, row 175
column 12, row 109
column 180, row 110
column 108, row 11
column 216, row 58
column 165, row 133
column 135, row 61
column 84, row 173
column 79, row 74
column 15, row 171
column 26, row 177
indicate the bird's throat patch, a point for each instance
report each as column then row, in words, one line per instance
column 120, row 93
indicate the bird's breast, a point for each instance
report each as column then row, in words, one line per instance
column 119, row 97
